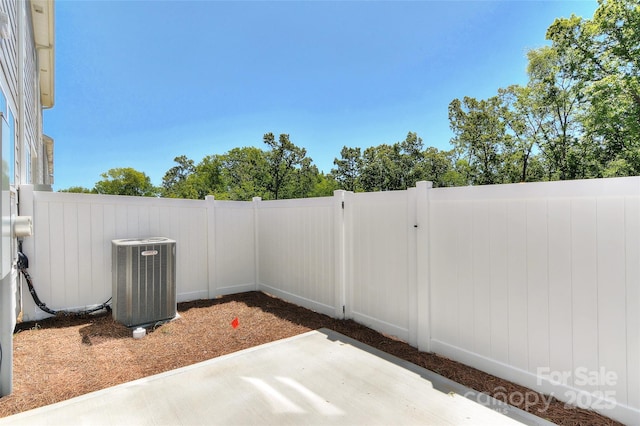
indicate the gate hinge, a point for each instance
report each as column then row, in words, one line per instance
column 343, row 205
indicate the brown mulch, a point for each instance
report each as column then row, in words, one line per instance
column 63, row 357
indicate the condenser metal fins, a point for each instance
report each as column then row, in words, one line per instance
column 144, row 280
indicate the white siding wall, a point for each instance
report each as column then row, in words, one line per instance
column 19, row 84
column 32, row 143
column 9, row 50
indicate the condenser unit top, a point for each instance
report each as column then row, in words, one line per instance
column 142, row 242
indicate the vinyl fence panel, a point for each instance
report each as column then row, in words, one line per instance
column 70, row 251
column 632, row 302
column 538, row 284
column 232, row 246
column 296, row 245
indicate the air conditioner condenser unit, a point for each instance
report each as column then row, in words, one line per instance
column 144, row 280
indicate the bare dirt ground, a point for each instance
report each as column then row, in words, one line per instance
column 64, row 357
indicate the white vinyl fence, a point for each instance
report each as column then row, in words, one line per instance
column 381, row 257
column 535, row 283
column 70, row 251
column 232, row 248
column 298, row 252
column 540, row 283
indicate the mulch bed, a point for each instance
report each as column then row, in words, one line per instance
column 63, row 357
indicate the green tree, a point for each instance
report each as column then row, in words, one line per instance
column 347, row 168
column 304, row 179
column 606, row 49
column 324, row 186
column 480, row 137
column 186, row 180
column 126, row 181
column 438, row 167
column 523, row 115
column 244, row 174
column 287, row 167
column 411, row 158
column 206, row 178
column 560, row 100
column 381, row 169
column 174, row 182
column 392, row 167
column 78, row 190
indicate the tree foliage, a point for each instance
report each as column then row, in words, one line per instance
column 348, row 168
column 244, row 174
column 480, row 137
column 126, row 181
column 175, row 181
column 289, row 168
column 577, row 117
column 606, row 60
column 282, row 171
column 396, row 166
column 78, row 190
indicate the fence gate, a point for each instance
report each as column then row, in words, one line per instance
column 380, row 254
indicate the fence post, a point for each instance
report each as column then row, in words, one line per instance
column 211, row 245
column 256, row 243
column 423, row 269
column 26, row 207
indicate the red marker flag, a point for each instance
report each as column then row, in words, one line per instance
column 235, row 323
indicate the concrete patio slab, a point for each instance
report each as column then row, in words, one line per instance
column 320, row 377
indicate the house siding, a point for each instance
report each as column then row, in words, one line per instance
column 29, row 117
column 32, row 110
column 20, row 85
column 9, row 51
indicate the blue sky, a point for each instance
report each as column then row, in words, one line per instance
column 141, row 82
